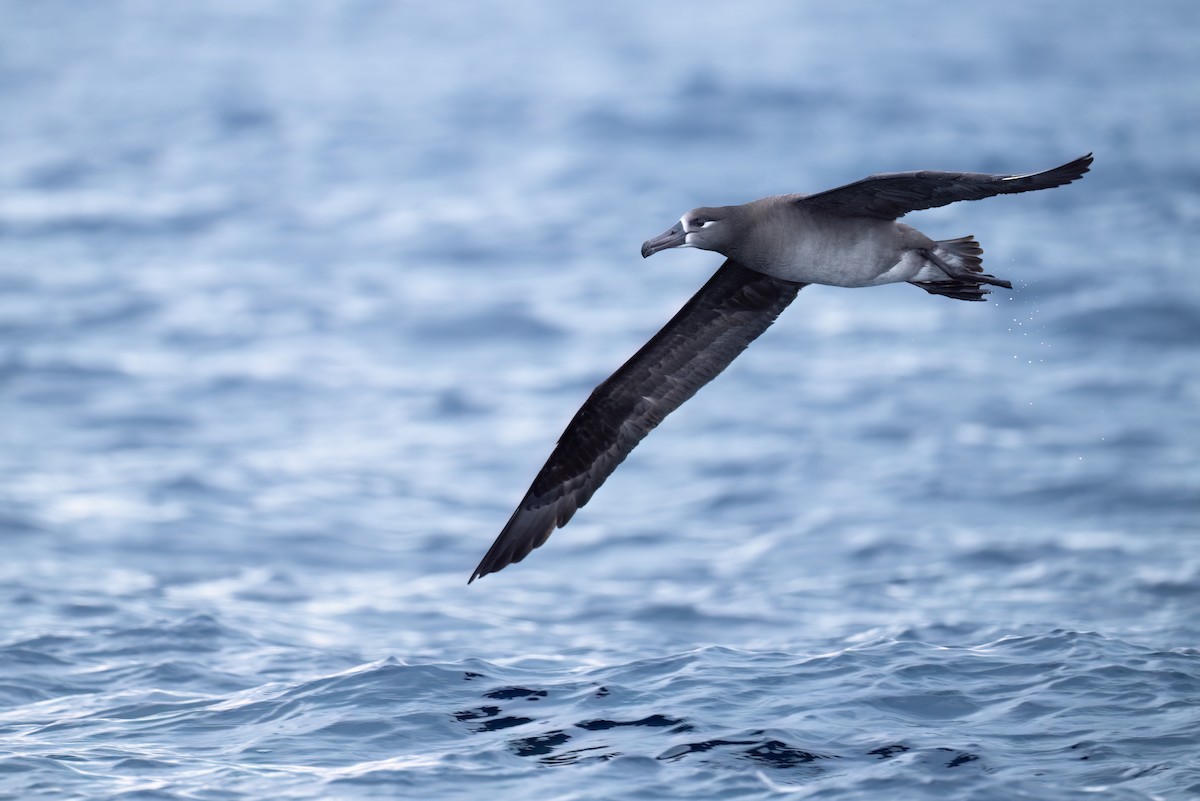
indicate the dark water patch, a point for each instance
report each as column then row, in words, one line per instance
column 539, row 745
column 889, row 751
column 498, row 724
column 960, row 759
column 598, row 753
column 651, row 721
column 475, row 714
column 770, row 752
column 508, row 693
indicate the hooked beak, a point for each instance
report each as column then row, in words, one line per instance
column 673, row 237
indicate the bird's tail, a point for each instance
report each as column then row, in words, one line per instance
column 960, row 266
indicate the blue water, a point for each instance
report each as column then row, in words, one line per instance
column 295, row 298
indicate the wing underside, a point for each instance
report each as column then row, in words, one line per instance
column 719, row 322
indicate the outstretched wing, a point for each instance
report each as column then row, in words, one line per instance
column 726, row 315
column 889, row 196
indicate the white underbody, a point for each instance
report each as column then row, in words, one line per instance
column 797, row 245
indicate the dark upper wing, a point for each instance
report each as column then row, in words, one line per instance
column 889, row 196
column 726, row 315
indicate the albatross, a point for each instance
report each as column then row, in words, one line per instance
column 773, row 247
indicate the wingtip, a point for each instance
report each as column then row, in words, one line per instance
column 1061, row 175
column 481, row 570
column 528, row 528
column 1078, row 167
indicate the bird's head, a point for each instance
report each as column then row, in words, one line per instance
column 704, row 228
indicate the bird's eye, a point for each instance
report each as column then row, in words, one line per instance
column 699, row 222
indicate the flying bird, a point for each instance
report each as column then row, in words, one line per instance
column 848, row 236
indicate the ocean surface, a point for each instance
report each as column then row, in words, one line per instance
column 295, row 298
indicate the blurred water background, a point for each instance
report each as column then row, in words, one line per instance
column 295, row 298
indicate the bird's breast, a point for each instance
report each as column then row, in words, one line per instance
column 849, row 253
